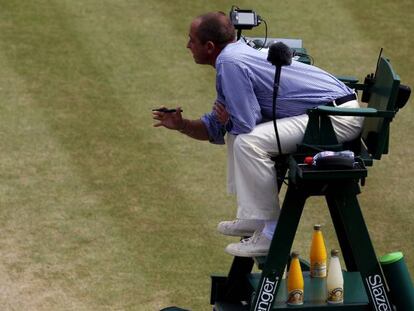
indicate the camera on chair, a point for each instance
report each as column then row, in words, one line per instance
column 244, row 19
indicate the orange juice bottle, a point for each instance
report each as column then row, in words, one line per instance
column 295, row 281
column 317, row 254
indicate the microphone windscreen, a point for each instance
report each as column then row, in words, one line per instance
column 280, row 54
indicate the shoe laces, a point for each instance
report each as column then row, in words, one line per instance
column 253, row 239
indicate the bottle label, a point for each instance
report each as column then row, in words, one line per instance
column 336, row 295
column 295, row 297
column 318, row 270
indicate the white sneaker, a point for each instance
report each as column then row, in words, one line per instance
column 255, row 246
column 240, row 227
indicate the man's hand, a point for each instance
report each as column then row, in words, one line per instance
column 170, row 120
column 221, row 112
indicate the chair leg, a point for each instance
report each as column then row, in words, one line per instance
column 280, row 247
column 359, row 245
column 341, row 234
column 236, row 288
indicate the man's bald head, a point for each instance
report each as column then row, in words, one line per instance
column 215, row 27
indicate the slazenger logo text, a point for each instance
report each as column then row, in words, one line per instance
column 266, row 295
column 378, row 295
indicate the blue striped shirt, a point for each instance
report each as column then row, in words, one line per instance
column 244, row 85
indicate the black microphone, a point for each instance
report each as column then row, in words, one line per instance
column 280, row 54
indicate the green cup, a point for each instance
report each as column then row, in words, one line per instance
column 398, row 280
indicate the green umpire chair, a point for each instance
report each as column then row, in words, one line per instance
column 365, row 285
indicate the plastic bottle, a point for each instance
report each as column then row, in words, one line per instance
column 295, row 281
column 318, row 254
column 335, row 280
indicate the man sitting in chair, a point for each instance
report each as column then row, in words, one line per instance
column 243, row 111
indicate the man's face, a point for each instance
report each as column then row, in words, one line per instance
column 199, row 50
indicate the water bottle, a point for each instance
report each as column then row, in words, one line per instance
column 335, row 280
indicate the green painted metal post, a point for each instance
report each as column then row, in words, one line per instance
column 363, row 253
column 279, row 249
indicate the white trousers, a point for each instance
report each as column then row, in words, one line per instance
column 251, row 174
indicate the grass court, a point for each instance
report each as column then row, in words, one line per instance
column 101, row 211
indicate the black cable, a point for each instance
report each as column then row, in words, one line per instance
column 279, row 55
column 304, row 55
column 239, row 31
column 265, row 40
column 275, row 91
column 312, row 61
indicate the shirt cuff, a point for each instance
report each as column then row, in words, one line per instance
column 216, row 131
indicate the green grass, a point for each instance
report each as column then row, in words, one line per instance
column 101, row 211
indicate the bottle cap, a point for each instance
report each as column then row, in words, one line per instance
column 317, row 227
column 391, row 258
column 334, row 252
column 308, row 160
column 294, row 254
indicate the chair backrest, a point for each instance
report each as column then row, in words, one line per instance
column 383, row 97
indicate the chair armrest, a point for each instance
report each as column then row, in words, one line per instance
column 352, row 82
column 347, row 79
column 360, row 112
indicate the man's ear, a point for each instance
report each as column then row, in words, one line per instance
column 211, row 47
